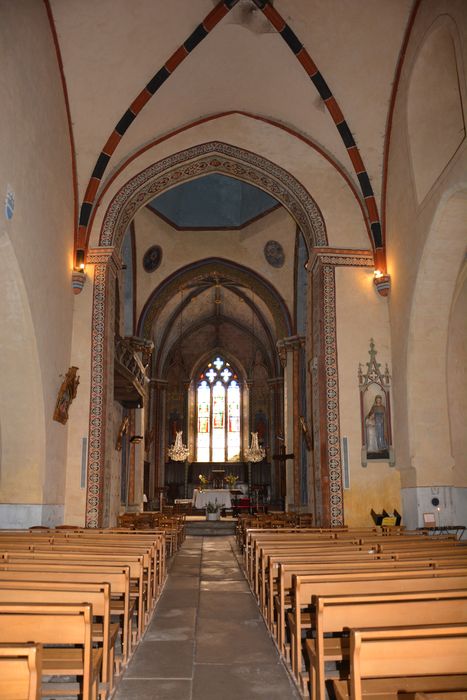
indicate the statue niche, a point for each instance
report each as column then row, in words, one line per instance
column 375, row 411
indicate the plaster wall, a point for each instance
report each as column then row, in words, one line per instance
column 338, row 205
column 78, row 424
column 457, row 380
column 413, row 266
column 36, row 167
column 245, row 247
column 362, row 314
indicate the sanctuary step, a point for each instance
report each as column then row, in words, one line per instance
column 210, row 528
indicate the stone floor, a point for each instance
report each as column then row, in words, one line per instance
column 206, row 640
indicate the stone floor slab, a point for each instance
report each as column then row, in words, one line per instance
column 230, row 586
column 213, row 604
column 141, row 689
column 178, row 598
column 174, row 625
column 237, row 641
column 162, row 659
column 246, row 681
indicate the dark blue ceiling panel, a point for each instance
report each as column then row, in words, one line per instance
column 213, row 201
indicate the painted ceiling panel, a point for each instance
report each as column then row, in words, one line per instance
column 214, row 201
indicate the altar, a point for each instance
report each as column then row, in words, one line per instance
column 202, row 497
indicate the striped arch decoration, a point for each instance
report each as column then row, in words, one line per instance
column 195, row 38
column 334, row 110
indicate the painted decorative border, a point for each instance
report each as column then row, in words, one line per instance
column 208, row 158
column 327, row 262
column 336, row 502
column 105, row 262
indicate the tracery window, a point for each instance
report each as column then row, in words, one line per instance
column 218, row 413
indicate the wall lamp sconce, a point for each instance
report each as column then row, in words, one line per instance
column 78, row 276
column 382, row 283
column 136, row 439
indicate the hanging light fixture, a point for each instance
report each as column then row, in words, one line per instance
column 254, row 453
column 178, row 452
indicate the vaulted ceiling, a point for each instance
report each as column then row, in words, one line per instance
column 141, row 74
column 137, row 71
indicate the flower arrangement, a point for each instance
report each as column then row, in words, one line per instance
column 203, row 480
column 231, row 479
column 213, row 507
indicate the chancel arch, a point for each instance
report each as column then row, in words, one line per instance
column 187, row 165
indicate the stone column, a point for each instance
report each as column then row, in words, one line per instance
column 276, row 427
column 328, row 494
column 160, row 390
column 288, row 349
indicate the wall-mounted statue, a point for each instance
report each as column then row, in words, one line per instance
column 66, row 394
column 375, row 411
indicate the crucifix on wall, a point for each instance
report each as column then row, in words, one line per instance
column 282, row 457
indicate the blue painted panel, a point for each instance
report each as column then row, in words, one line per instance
column 213, row 201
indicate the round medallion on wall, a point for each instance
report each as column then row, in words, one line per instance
column 274, row 253
column 152, row 258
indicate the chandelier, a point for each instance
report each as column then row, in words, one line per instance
column 178, row 452
column 254, row 453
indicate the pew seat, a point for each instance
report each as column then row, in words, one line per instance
column 393, row 664
column 20, row 671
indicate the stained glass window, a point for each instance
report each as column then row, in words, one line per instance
column 233, row 435
column 204, row 408
column 218, row 411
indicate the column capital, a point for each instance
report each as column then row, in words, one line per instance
column 289, row 344
column 104, row 255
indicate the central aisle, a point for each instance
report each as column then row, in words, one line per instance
column 207, row 640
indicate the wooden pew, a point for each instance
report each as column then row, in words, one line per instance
column 118, row 577
column 96, row 594
column 153, row 549
column 304, row 544
column 335, row 615
column 295, row 542
column 390, row 663
column 279, row 586
column 57, row 625
column 20, row 671
column 306, row 587
column 138, row 592
column 270, row 558
column 282, row 601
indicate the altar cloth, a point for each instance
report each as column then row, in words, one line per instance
column 202, row 498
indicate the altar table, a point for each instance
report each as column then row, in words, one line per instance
column 202, row 498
